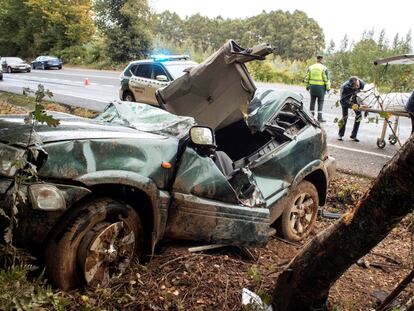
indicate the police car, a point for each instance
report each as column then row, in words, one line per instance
column 140, row 79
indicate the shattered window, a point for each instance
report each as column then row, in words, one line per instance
column 289, row 119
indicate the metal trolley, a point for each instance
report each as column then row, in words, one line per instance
column 387, row 105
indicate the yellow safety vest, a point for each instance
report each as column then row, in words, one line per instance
column 317, row 74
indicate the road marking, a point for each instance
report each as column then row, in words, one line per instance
column 360, row 151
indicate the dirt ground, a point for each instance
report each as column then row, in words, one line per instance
column 176, row 279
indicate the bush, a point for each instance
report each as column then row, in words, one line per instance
column 75, row 55
column 276, row 69
column 18, row 292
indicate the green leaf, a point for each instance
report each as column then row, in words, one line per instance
column 384, row 114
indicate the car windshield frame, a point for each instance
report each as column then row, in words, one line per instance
column 177, row 69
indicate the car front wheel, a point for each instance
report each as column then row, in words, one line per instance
column 128, row 96
column 94, row 244
column 299, row 217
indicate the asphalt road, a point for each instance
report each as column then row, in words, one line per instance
column 68, row 86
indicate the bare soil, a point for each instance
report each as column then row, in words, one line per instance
column 176, row 279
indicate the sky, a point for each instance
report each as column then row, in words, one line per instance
column 336, row 18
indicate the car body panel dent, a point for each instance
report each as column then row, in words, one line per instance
column 200, row 176
column 196, row 218
column 73, row 159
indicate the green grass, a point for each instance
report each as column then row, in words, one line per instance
column 18, row 100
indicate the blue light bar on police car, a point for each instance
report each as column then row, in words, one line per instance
column 165, row 57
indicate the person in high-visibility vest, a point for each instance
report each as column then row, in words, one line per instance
column 317, row 83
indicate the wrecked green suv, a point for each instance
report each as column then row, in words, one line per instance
column 109, row 189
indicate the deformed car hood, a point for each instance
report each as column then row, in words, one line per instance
column 214, row 91
column 14, row 130
column 265, row 104
column 146, row 118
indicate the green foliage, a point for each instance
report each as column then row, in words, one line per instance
column 32, row 27
column 357, row 60
column 257, row 280
column 293, row 35
column 348, row 193
column 25, row 170
column 126, row 26
column 19, row 292
column 276, row 69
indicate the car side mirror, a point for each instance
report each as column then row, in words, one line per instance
column 202, row 136
column 162, row 78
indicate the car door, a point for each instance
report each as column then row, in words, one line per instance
column 139, row 82
column 206, row 208
column 38, row 62
column 154, row 84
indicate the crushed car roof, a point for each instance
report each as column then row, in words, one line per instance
column 214, row 91
column 146, row 118
column 265, row 104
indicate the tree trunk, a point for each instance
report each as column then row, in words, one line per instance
column 305, row 284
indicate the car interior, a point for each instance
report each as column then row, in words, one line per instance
column 239, row 146
column 239, row 142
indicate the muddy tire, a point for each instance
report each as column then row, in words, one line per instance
column 94, row 243
column 299, row 216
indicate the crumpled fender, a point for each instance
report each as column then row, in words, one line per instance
column 310, row 168
column 158, row 199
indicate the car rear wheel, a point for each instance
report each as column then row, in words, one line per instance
column 128, row 96
column 299, row 217
column 9, row 70
column 94, row 244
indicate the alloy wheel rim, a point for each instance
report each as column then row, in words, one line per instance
column 108, row 254
column 301, row 214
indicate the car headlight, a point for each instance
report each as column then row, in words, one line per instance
column 8, row 157
column 46, row 198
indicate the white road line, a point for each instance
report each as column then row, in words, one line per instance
column 360, row 151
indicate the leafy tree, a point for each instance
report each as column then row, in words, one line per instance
column 170, row 27
column 126, row 26
column 294, row 35
column 357, row 59
column 31, row 27
column 61, row 23
column 15, row 32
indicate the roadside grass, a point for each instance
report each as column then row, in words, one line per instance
column 17, row 104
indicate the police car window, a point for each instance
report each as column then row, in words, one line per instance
column 144, row 71
column 158, row 71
